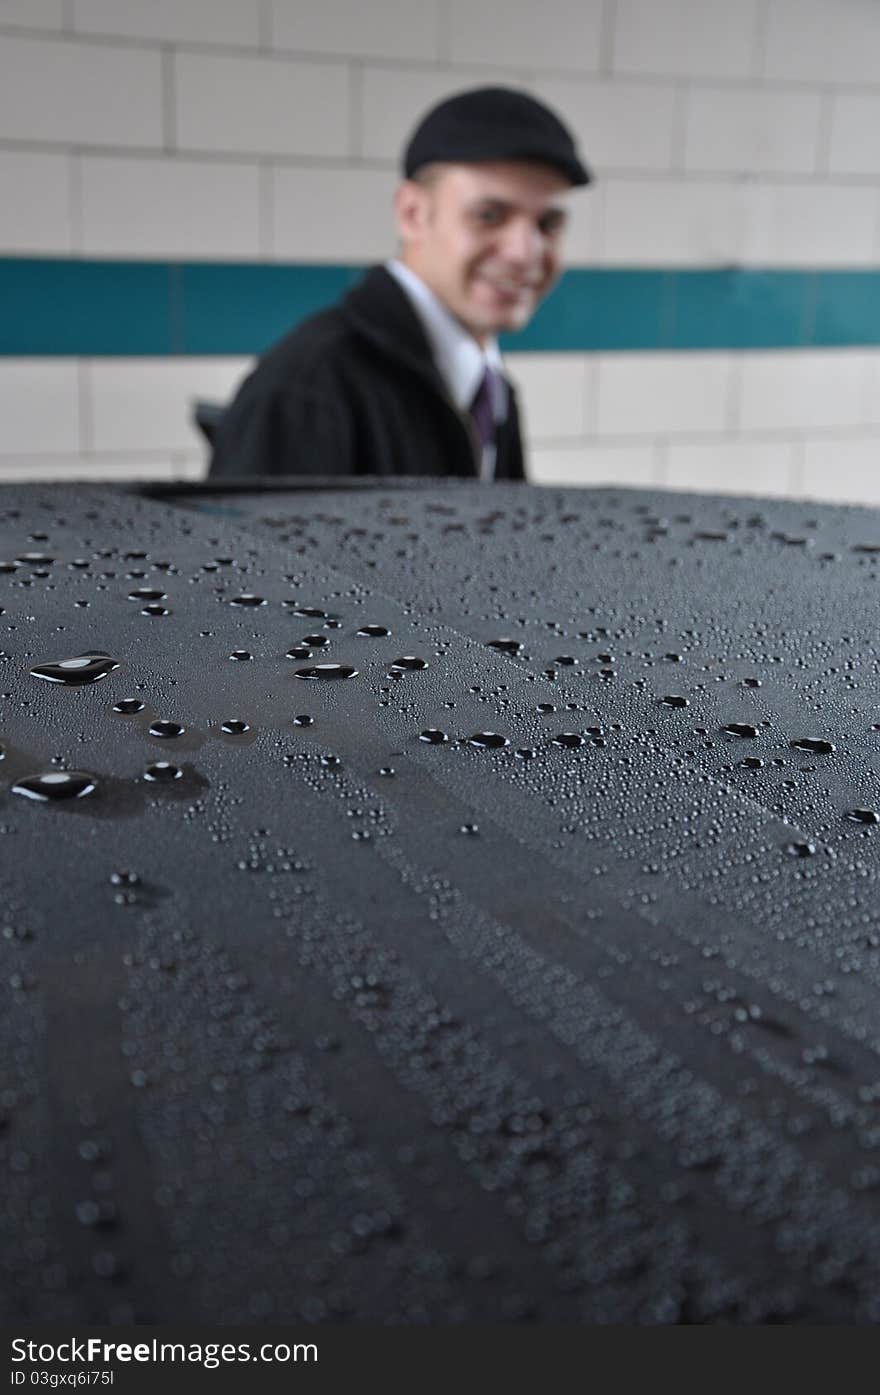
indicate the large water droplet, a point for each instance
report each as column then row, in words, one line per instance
column 800, row 849
column 743, row 729
column 155, row 610
column 299, row 651
column 166, row 730
column 146, row 593
column 56, row 784
column 570, row 739
column 128, row 706
column 434, row 736
column 410, row 662
column 327, row 671
column 162, row 771
column 488, row 740
column 505, row 646
column 813, row 743
column 84, row 668
column 247, row 599
column 373, row 631
column 241, row 655
column 674, row 700
column 234, row 727
column 862, row 815
column 303, row 720
column 315, row 641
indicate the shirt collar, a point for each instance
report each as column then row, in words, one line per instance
column 459, row 358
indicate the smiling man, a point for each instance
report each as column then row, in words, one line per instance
column 404, row 375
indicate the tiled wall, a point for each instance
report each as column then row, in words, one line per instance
column 722, row 135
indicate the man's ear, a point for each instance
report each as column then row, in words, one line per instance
column 410, row 202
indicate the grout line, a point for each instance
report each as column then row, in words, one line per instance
column 169, row 101
column 356, row 110
column 75, row 202
column 84, row 398
column 266, row 215
column 266, row 18
column 759, row 40
column 443, row 30
column 607, row 34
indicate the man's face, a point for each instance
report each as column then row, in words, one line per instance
column 486, row 238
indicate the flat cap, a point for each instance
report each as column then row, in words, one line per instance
column 494, row 123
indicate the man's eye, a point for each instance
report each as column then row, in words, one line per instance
column 489, row 215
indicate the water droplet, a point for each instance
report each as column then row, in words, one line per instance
column 469, row 828
column 433, row 736
column 673, row 700
column 56, row 784
column 163, row 771
column 299, row 651
column 315, row 641
column 125, row 879
column 234, row 727
column 525, row 752
column 752, row 762
column 241, row 655
column 410, row 662
column 333, row 762
column 800, row 849
column 743, row 729
column 327, row 671
column 387, row 770
column 566, row 659
column 35, row 559
column 303, row 720
column 545, row 707
column 155, row 610
column 506, row 646
column 373, row 631
column 128, row 706
column 309, row 612
column 146, row 593
column 247, row 599
column 84, row 668
column 571, row 739
column 862, row 815
column 488, row 740
column 166, row 730
column 752, row 682
column 813, row 743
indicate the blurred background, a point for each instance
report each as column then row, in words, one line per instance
column 182, row 180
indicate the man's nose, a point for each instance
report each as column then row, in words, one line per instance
column 523, row 242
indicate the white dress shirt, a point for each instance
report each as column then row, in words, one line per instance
column 459, row 359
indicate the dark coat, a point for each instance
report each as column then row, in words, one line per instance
column 354, row 391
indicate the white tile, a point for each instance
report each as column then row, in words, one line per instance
column 395, row 99
column 731, row 467
column 751, row 131
column 39, row 405
column 270, row 106
column 168, row 207
column 193, row 21
column 828, row 41
column 801, row 390
column 871, row 392
column 67, row 468
column 846, row 470
column 31, row 14
column 34, row 202
column 554, row 34
column 671, row 222
column 393, row 29
column 591, row 465
column 146, row 403
column 79, row 93
column 817, row 224
column 692, row 38
column 655, row 394
column 855, row 134
column 617, row 125
column 333, row 214
column 556, row 393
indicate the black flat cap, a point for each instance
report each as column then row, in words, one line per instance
column 494, row 123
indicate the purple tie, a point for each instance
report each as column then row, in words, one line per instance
column 482, row 409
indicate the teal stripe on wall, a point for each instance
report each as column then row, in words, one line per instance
column 73, row 306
